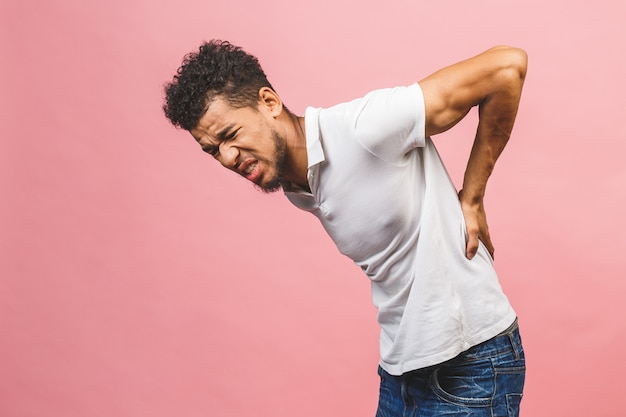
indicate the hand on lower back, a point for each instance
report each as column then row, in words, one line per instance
column 477, row 228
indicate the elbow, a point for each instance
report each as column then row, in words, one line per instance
column 519, row 61
column 509, row 66
column 514, row 61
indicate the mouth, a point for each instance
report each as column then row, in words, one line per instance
column 250, row 170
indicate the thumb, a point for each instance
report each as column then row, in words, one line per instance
column 472, row 246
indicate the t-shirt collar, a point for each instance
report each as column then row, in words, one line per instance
column 315, row 152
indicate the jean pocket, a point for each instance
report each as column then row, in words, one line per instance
column 513, row 402
column 468, row 384
column 509, row 381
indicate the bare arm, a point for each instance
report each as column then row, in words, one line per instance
column 492, row 81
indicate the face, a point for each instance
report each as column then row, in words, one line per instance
column 244, row 140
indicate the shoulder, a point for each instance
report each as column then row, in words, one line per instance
column 387, row 122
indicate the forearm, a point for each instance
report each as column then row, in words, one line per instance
column 497, row 112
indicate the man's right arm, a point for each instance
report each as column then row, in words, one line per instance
column 492, row 81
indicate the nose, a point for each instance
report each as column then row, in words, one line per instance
column 228, row 155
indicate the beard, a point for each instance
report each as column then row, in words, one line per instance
column 280, row 165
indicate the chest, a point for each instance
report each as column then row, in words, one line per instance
column 366, row 205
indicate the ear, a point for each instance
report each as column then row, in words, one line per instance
column 269, row 100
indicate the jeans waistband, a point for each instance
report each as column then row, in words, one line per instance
column 505, row 342
column 509, row 329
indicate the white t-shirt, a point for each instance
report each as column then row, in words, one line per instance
column 382, row 193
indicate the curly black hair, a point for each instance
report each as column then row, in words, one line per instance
column 217, row 69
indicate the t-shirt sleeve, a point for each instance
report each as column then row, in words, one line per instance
column 391, row 122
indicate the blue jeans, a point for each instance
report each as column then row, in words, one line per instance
column 485, row 381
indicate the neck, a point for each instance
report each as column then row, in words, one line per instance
column 298, row 162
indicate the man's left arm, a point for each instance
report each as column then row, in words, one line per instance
column 492, row 81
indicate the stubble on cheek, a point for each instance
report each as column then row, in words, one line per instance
column 279, row 165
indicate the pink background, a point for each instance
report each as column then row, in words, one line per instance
column 137, row 278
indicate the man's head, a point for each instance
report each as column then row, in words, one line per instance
column 222, row 97
column 218, row 69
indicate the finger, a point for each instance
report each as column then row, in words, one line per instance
column 472, row 246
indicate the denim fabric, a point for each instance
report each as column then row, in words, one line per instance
column 485, row 381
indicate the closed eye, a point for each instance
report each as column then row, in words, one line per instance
column 211, row 150
column 224, row 136
column 231, row 135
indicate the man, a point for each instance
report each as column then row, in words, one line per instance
column 449, row 340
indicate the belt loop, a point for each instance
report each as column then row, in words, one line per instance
column 513, row 341
column 515, row 347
